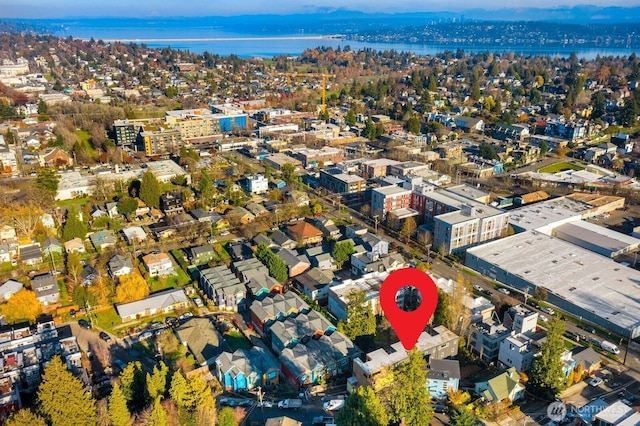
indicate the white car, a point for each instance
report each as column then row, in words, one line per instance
column 333, row 405
column 596, row 381
column 504, row 290
column 477, row 287
column 543, row 318
column 265, row 404
column 548, row 311
column 144, row 336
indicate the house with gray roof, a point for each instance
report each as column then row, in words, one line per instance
column 244, row 369
column 159, row 303
column 46, row 288
column 364, row 263
column 290, row 331
column 443, row 377
column 9, row 288
column 263, row 239
column 296, row 263
column 204, row 216
column 119, row 265
column 276, row 308
column 31, row 254
column 282, row 240
column 224, row 288
column 328, row 227
column 51, row 245
column 201, row 254
column 102, row 239
column 202, row 339
column 261, row 286
column 315, row 284
column 249, row 268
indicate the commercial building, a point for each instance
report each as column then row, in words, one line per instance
column 336, row 181
column 389, row 198
column 377, row 168
column 587, row 285
column 326, row 156
column 469, row 226
column 375, row 371
column 595, row 238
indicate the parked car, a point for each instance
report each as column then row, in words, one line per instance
column 333, row 405
column 105, row 336
column 265, row 404
column 548, row 310
column 84, row 324
column 543, row 318
column 504, row 291
column 486, row 291
column 144, row 336
column 588, row 328
column 155, row 325
column 72, row 313
column 185, row 316
column 170, row 321
column 596, row 381
column 477, row 288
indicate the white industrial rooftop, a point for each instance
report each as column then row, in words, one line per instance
column 588, row 280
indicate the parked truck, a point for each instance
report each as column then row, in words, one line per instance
column 609, row 347
column 290, row 403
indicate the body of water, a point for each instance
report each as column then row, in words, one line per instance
column 215, row 36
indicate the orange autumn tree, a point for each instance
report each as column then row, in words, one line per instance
column 23, row 306
column 131, row 287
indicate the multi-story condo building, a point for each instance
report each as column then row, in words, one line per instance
column 326, row 156
column 389, row 198
column 335, row 180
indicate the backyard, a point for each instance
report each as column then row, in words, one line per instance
column 560, row 167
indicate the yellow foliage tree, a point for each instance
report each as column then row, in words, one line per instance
column 131, row 287
column 578, row 373
column 100, row 291
column 23, row 306
column 458, row 398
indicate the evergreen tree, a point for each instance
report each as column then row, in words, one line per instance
column 362, row 408
column 487, row 151
column 226, row 417
column 361, row 320
column 413, row 125
column 409, row 396
column 127, row 206
column 47, row 179
column 475, row 90
column 544, row 148
column 442, row 309
column 350, row 118
column 179, row 389
column 463, row 417
column 25, row 417
column 547, row 377
column 432, row 85
column 342, row 252
column 206, row 188
column 158, row 414
column 73, row 226
column 42, row 107
column 150, row 190
column 277, row 267
column 132, row 380
column 157, row 382
column 118, row 411
column 62, row 398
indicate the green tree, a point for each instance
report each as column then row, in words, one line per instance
column 206, row 188
column 475, row 90
column 42, row 107
column 463, row 417
column 150, row 190
column 342, row 252
column 324, row 114
column 277, row 267
column 547, row 377
column 350, row 118
column 409, row 396
column 487, row 151
column 158, row 414
column 442, row 309
column 74, row 267
column 361, row 320
column 157, row 382
column 408, row 229
column 47, row 179
column 544, row 148
column 179, row 389
column 289, row 174
column 25, row 417
column 226, row 417
column 132, row 380
column 362, row 408
column 73, row 226
column 127, row 206
column 118, row 411
column 432, row 85
column 413, row 125
column 62, row 398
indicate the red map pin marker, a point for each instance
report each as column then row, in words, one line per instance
column 408, row 325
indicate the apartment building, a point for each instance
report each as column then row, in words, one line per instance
column 336, row 181
column 389, row 198
column 313, row 158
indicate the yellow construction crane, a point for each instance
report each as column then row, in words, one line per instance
column 323, row 92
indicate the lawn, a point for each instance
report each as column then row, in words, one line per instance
column 107, row 319
column 83, row 137
column 172, row 281
column 236, row 340
column 78, row 202
column 559, row 167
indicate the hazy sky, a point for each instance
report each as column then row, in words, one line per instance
column 146, row 8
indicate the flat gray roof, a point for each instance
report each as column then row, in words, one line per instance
column 467, row 191
column 481, row 211
column 391, row 190
column 605, row 238
column 537, row 215
column 588, row 280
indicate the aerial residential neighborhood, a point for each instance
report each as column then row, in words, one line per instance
column 197, row 239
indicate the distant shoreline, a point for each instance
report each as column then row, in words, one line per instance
column 187, row 40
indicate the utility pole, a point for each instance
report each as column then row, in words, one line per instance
column 375, row 218
column 260, row 396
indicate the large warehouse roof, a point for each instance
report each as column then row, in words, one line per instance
column 590, row 281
